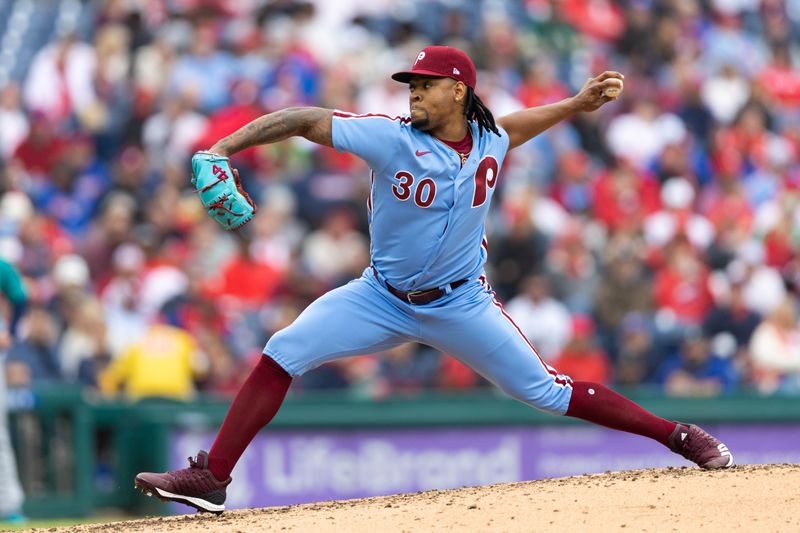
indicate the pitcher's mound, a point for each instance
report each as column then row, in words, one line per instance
column 747, row 498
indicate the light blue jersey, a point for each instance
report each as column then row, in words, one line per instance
column 427, row 216
column 427, row 212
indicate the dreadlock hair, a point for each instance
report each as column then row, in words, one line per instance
column 476, row 110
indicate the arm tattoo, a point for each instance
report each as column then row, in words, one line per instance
column 313, row 123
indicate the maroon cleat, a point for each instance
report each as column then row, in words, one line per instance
column 699, row 447
column 195, row 486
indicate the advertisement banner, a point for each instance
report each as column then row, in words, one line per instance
column 286, row 467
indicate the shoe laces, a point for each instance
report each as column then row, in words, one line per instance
column 699, row 440
column 196, row 479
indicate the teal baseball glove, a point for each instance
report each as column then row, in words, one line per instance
column 221, row 190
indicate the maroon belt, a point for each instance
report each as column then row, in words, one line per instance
column 424, row 296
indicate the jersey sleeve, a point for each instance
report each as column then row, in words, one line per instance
column 505, row 141
column 374, row 138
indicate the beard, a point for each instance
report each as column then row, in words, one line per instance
column 422, row 124
column 420, row 121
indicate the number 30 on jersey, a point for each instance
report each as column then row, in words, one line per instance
column 424, row 191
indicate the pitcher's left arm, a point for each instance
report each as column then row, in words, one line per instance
column 524, row 125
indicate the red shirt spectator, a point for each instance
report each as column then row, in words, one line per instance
column 779, row 251
column 780, row 81
column 581, row 359
column 540, row 86
column 731, row 209
column 230, row 118
column 682, row 285
column 42, row 148
column 453, row 374
column 245, row 282
column 744, row 141
column 601, row 19
column 623, row 199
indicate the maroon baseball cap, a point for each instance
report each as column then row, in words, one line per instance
column 443, row 62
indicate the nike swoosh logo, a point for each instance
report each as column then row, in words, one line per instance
column 418, row 153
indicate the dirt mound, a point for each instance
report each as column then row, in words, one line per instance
column 748, row 498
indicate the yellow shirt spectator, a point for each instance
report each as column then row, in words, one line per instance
column 162, row 364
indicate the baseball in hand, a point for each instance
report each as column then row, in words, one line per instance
column 613, row 91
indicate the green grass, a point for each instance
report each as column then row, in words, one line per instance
column 61, row 522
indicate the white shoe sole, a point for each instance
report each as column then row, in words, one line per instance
column 203, row 504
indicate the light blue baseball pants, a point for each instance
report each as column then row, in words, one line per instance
column 363, row 317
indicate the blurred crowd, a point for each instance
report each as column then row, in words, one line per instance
column 652, row 243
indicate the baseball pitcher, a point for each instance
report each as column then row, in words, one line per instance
column 432, row 177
